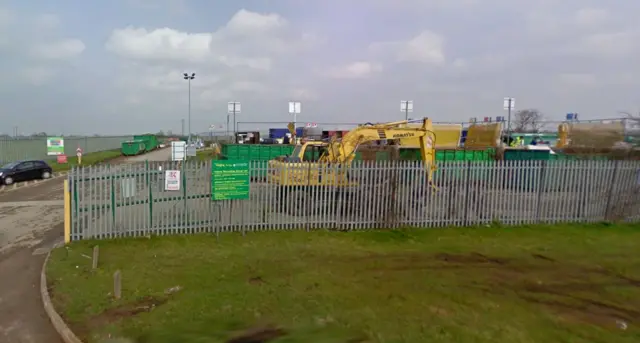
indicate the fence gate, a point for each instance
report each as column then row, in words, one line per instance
column 134, row 200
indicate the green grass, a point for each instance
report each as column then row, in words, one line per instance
column 203, row 155
column 569, row 283
column 87, row 159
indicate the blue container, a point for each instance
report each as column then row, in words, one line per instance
column 277, row 133
column 463, row 137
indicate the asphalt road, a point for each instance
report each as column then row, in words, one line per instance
column 31, row 224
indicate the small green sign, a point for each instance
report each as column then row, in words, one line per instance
column 229, row 179
column 55, row 146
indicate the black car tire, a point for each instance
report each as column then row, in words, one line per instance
column 8, row 180
column 46, row 175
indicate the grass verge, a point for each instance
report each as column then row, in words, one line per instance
column 204, row 155
column 87, row 159
column 567, row 283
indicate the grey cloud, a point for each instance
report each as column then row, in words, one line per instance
column 558, row 56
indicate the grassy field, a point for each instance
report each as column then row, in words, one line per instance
column 87, row 159
column 571, row 283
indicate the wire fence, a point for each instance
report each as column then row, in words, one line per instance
column 36, row 147
column 132, row 200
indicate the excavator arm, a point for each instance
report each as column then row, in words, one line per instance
column 563, row 135
column 344, row 151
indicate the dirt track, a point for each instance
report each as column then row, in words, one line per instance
column 31, row 223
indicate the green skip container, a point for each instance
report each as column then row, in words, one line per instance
column 133, row 147
column 150, row 141
column 266, row 152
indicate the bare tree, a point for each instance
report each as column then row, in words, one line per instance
column 529, row 120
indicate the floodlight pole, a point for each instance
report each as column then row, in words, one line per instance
column 189, row 78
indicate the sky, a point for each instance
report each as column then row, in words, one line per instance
column 115, row 67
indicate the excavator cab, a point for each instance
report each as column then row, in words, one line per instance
column 308, row 152
column 313, row 153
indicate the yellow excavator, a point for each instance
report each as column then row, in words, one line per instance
column 302, row 167
column 317, row 164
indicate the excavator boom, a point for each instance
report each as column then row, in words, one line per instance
column 344, row 151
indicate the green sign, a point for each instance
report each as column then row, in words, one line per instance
column 55, row 146
column 229, row 179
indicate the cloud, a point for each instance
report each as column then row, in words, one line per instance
column 46, row 21
column 347, row 61
column 160, row 44
column 33, row 49
column 247, row 23
column 172, row 6
column 58, row 50
column 610, row 44
column 589, row 17
column 6, row 17
column 246, row 57
column 426, row 47
column 412, row 5
column 577, row 80
column 249, row 39
column 39, row 75
column 302, row 94
column 355, row 70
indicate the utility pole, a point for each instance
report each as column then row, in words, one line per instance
column 233, row 107
column 295, row 108
column 406, row 106
column 509, row 104
column 189, row 78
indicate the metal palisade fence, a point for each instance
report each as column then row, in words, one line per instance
column 36, row 147
column 139, row 200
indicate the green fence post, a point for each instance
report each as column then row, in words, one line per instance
column 148, row 176
column 184, row 191
column 74, row 188
column 74, row 174
column 113, row 197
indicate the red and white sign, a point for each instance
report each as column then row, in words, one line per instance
column 79, row 152
column 172, row 180
column 312, row 125
column 61, row 159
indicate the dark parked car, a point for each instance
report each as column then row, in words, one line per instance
column 24, row 171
